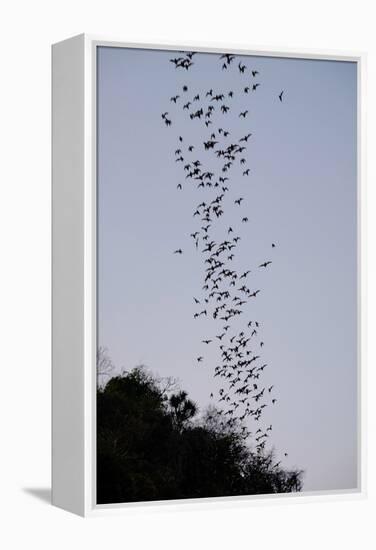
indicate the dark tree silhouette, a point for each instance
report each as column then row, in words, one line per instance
column 105, row 366
column 182, row 409
column 152, row 446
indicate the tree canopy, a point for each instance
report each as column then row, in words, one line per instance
column 152, row 445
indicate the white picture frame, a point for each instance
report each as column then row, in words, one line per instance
column 74, row 275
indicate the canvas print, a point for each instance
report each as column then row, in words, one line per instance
column 226, row 275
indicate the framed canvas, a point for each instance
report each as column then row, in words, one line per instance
column 207, row 278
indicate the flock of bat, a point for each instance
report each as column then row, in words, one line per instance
column 226, row 292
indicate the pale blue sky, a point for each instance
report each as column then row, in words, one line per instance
column 301, row 195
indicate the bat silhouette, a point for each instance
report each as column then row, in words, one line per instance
column 228, row 57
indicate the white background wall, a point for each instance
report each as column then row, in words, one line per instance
column 27, row 30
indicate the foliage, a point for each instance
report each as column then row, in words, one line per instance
column 105, row 366
column 151, row 446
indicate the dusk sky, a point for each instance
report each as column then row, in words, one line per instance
column 301, row 195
